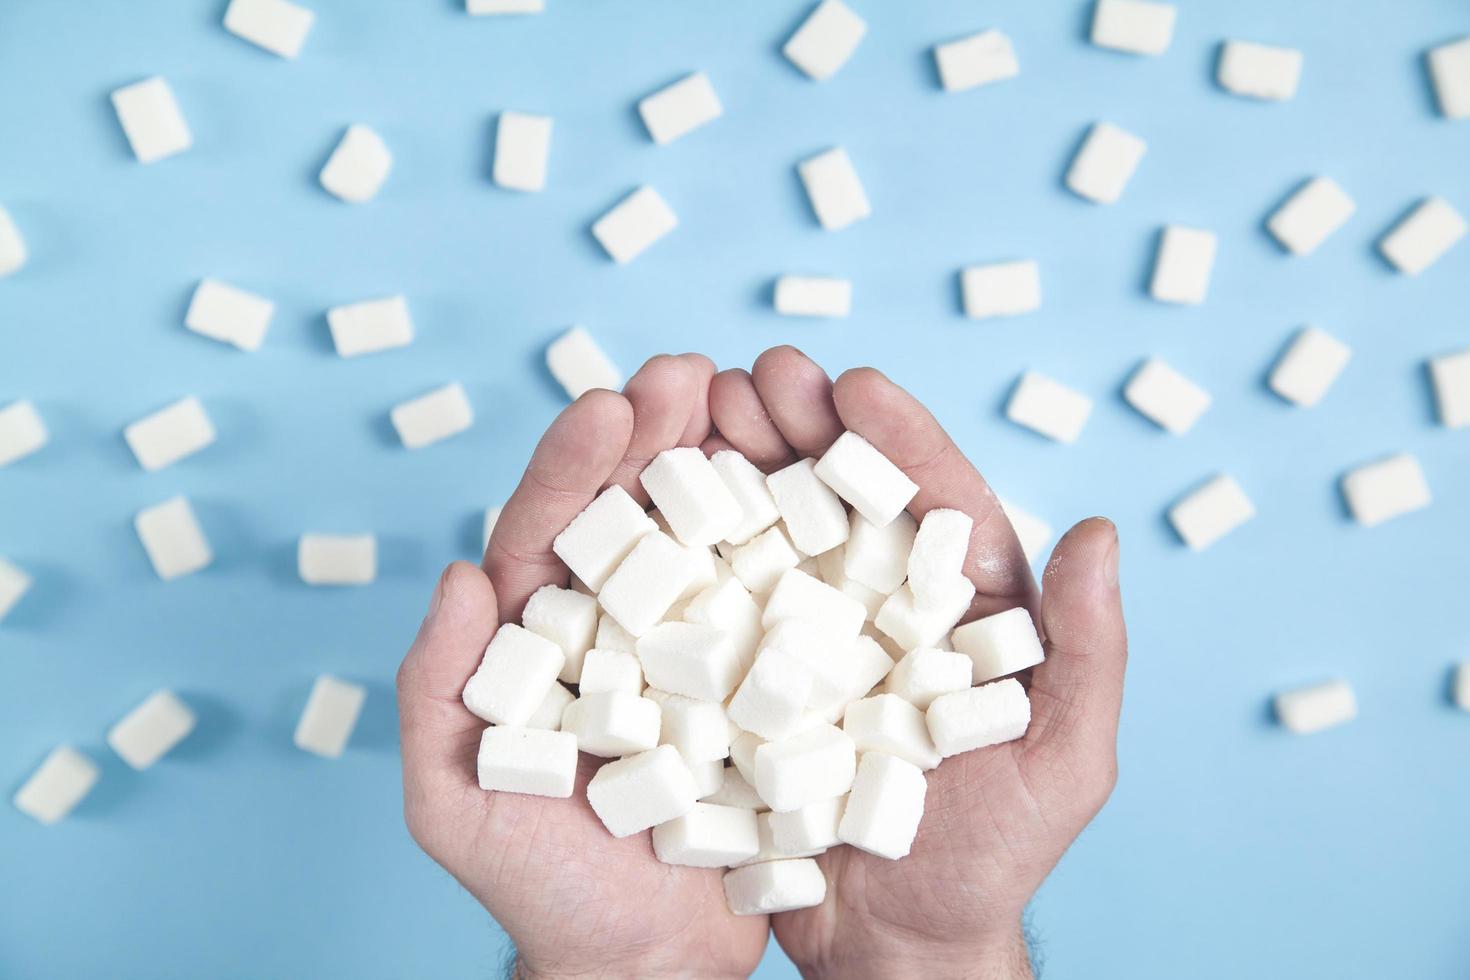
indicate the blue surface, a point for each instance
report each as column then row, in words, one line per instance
column 1229, row 850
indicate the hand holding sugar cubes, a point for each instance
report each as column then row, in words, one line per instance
column 738, row 621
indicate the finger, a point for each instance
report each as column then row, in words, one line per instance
column 741, row 417
column 904, row 431
column 714, row 444
column 568, row 469
column 662, row 394
column 798, row 395
column 699, row 426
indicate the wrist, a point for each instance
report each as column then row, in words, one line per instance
column 1003, row 956
column 650, row 968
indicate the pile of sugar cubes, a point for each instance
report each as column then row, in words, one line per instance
column 752, row 619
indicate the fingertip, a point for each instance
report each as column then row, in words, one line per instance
column 1092, row 543
column 464, row 589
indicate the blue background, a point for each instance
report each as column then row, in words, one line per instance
column 1230, row 848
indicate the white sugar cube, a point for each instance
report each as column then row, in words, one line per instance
column 1309, row 216
column 22, row 431
column 1419, row 240
column 517, row 670
column 1033, row 532
column 1450, row 376
column 1211, row 511
column 1182, row 266
column 642, row 791
column 1462, row 686
column 276, row 25
column 357, row 168
column 813, row 514
column 151, row 120
column 527, row 760
column 1048, row 407
column 708, row 836
column 1001, row 289
column 832, row 658
column 865, row 478
column 975, row 60
column 833, row 188
column 747, row 485
column 579, row 365
column 547, row 716
column 1307, row 710
column 1449, row 67
column 1134, row 26
column 170, row 434
column 173, row 538
column 149, row 731
column 825, row 40
column 691, row 496
column 889, row 724
column 775, row 886
column 646, row 583
column 799, row 596
column 602, row 535
column 434, row 416
column 700, row 730
column 810, row 829
column 14, row 583
column 1105, row 163
column 633, row 224
column 691, row 659
column 680, row 108
column 370, row 326
column 759, row 563
column 611, row 636
column 735, row 791
column 225, row 313
column 742, row 754
column 610, row 670
column 817, row 764
column 329, row 717
column 489, row 7
column 708, row 776
column 813, row 296
column 912, row 624
column 925, row 673
column 878, row 557
column 13, row 253
column 979, row 717
column 612, row 723
column 1259, row 71
column 522, row 146
column 1385, row 489
column 337, row 559
column 567, row 618
column 1309, row 367
column 771, row 698
column 999, row 645
column 884, row 809
column 1165, row 397
column 728, row 607
column 58, row 785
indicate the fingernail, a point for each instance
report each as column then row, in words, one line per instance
column 1110, row 563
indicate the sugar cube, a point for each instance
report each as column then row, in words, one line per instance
column 691, row 659
column 1309, row 216
column 610, row 670
column 170, row 434
column 12, row 246
column 58, row 785
column 1182, row 266
column 884, row 809
column 14, row 583
column 1449, row 67
column 813, row 296
column 276, row 25
column 579, row 365
column 1307, row 710
column 567, row 618
column 1001, row 289
column 522, row 145
column 612, row 723
column 602, row 535
column 329, row 717
column 487, row 7
column 151, row 120
column 1211, row 511
column 689, row 493
column 825, row 40
column 979, row 59
column 708, row 836
column 518, row 668
column 1385, row 489
column 1134, row 26
column 527, row 760
column 912, row 624
column 1165, row 397
column 735, row 791
column 1259, row 71
column 547, row 716
column 1309, row 367
column 979, row 717
column 814, row 516
column 1420, row 239
column 816, row 764
column 337, row 559
column 633, row 224
column 708, row 776
column 357, row 168
column 149, row 731
column 642, row 791
column 1462, row 686
column 771, row 698
column 370, row 326
column 759, row 563
column 833, row 188
column 889, row 724
column 747, row 485
column 22, row 431
column 611, row 636
column 775, row 886
column 700, row 730
column 827, row 654
column 1105, row 163
column 729, row 608
column 1450, row 375
column 680, row 108
column 878, row 557
column 742, row 752
column 799, row 596
column 999, row 645
column 810, row 829
column 228, row 314
column 1033, row 532
column 645, row 584
column 865, row 478
column 1048, row 407
column 171, row 535
column 434, row 416
column 925, row 673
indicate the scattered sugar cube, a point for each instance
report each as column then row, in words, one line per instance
column 1259, row 71
column 642, row 791
column 170, row 434
column 1000, row 645
column 646, row 583
column 747, row 485
column 878, row 557
column 771, row 698
column 611, row 636
column 225, row 313
column 276, row 25
column 1048, row 407
column 810, row 829
column 1462, row 686
column 370, row 326
column 700, row 730
column 1418, row 241
column 1033, row 532
column 522, row 146
column 1001, row 289
column 1135, row 26
column 708, row 836
column 517, row 670
column 1449, row 67
column 925, row 673
column 680, row 108
column 579, row 365
column 151, row 120
column 14, row 583
column 689, row 493
column 427, row 419
column 816, row 764
column 825, row 40
column 1388, row 488
column 527, row 760
column 150, row 730
column 1309, row 216
column 357, row 168
column 337, row 559
column 1309, row 367
column 602, row 535
column 912, row 624
column 937, row 556
column 1308, row 710
column 735, row 791
column 21, row 431
column 1209, row 512
column 1450, row 376
column 760, row 562
column 799, row 596
column 775, row 886
column 58, row 785
column 865, row 478
column 976, row 60
column 1182, row 266
column 12, row 246
column 567, row 618
column 547, row 717
column 487, row 7
column 979, row 717
column 173, row 538
column 1105, row 163
column 1165, row 397
column 884, row 809
column 633, row 224
column 813, row 514
column 834, row 190
column 330, row 716
column 691, row 659
column 612, row 723
column 889, row 724
column 813, row 296
column 610, row 670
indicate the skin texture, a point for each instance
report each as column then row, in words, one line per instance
column 578, row 902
